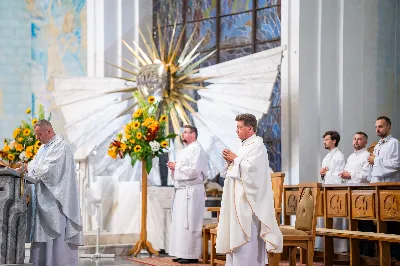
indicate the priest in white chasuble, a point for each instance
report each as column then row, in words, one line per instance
column 189, row 173
column 358, row 169
column 56, row 230
column 247, row 225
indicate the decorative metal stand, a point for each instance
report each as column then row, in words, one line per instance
column 143, row 244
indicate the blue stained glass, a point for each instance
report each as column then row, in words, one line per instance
column 275, row 155
column 269, row 126
column 203, row 29
column 166, row 12
column 235, row 6
column 266, row 46
column 167, row 35
column 200, row 9
column 236, row 30
column 268, row 24
column 232, row 53
column 265, row 3
column 276, row 93
column 212, row 60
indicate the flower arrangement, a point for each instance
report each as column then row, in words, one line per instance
column 144, row 136
column 23, row 145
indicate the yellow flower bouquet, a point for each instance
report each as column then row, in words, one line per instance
column 23, row 145
column 144, row 136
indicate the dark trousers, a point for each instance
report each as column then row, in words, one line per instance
column 394, row 228
column 367, row 248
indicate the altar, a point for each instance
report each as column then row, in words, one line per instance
column 13, row 218
column 121, row 208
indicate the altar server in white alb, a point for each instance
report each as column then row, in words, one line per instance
column 385, row 160
column 189, row 173
column 332, row 165
column 56, row 230
column 247, row 226
column 358, row 169
column 334, row 162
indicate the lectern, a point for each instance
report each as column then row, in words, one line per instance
column 13, row 217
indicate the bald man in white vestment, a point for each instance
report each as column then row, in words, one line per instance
column 56, row 228
column 358, row 169
column 189, row 173
column 332, row 165
column 247, row 225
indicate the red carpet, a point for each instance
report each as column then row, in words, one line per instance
column 161, row 262
column 168, row 262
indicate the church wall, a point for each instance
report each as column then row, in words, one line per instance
column 339, row 73
column 15, row 53
column 37, row 42
column 122, row 20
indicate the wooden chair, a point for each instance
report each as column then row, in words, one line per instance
column 207, row 235
column 303, row 234
column 277, row 180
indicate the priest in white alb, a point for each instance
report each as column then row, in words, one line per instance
column 56, row 227
column 332, row 165
column 334, row 162
column 385, row 164
column 189, row 173
column 385, row 161
column 247, row 225
column 358, row 169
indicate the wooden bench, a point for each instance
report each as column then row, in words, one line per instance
column 378, row 202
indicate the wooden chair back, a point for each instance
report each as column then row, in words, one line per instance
column 277, row 180
column 313, row 188
column 372, row 147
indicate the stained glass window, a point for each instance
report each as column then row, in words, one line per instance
column 268, row 25
column 268, row 3
column 235, row 6
column 200, row 9
column 202, row 29
column 165, row 12
column 234, row 28
column 232, row 53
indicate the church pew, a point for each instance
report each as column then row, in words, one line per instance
column 378, row 202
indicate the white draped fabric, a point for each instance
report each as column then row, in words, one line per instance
column 89, row 114
column 243, row 85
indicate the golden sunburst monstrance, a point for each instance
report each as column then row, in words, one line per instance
column 167, row 74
